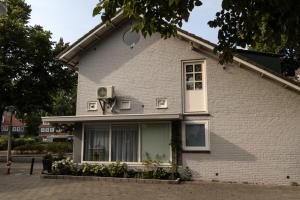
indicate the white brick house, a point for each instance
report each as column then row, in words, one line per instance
column 239, row 122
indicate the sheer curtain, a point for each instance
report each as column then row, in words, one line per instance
column 96, row 146
column 124, row 143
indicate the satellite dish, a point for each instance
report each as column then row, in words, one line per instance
column 3, row 9
column 131, row 38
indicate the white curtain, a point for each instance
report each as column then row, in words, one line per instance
column 124, row 143
column 96, row 146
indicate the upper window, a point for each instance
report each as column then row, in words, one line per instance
column 195, row 136
column 193, row 76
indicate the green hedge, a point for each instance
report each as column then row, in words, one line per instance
column 30, row 148
column 3, row 143
column 59, row 147
column 68, row 167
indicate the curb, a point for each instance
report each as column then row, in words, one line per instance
column 110, row 179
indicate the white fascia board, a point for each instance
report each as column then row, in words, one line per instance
column 124, row 117
column 88, row 37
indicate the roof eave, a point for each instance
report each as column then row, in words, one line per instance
column 67, row 56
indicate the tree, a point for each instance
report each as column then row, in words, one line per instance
column 30, row 75
column 161, row 16
column 241, row 23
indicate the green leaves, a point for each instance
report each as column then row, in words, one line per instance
column 270, row 26
column 29, row 74
column 153, row 16
column 262, row 25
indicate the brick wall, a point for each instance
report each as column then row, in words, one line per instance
column 254, row 121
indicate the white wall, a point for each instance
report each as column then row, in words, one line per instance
column 254, row 122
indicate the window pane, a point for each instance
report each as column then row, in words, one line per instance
column 124, row 143
column 198, row 85
column 190, row 86
column 189, row 68
column 155, row 142
column 96, row 140
column 198, row 76
column 198, row 68
column 189, row 77
column 195, row 135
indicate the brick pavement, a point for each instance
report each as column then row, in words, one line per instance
column 25, row 187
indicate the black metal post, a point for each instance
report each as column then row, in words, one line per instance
column 31, row 167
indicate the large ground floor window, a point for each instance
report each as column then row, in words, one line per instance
column 127, row 142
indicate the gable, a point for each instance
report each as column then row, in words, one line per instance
column 71, row 55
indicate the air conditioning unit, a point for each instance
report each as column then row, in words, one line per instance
column 105, row 92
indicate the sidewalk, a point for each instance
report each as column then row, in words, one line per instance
column 24, row 187
column 21, row 168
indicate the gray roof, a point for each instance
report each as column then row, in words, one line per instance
column 269, row 60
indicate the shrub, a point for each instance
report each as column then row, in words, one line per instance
column 186, row 174
column 59, row 148
column 132, row 174
column 101, row 170
column 23, row 141
column 160, row 173
column 117, row 169
column 3, row 143
column 65, row 167
column 30, row 148
column 88, row 169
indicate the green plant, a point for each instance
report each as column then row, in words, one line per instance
column 88, row 169
column 3, row 143
column 59, row 148
column 101, row 170
column 65, row 167
column 117, row 169
column 161, row 173
column 186, row 174
column 131, row 173
column 30, row 148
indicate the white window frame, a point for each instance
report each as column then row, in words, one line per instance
column 139, row 162
column 159, row 106
column 90, row 103
column 207, row 136
column 125, row 105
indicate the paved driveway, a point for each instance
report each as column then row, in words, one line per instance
column 25, row 187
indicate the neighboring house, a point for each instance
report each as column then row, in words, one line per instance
column 50, row 133
column 18, row 127
column 237, row 122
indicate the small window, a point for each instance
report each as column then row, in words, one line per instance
column 14, row 129
column 47, row 130
column 125, row 105
column 161, row 103
column 193, row 76
column 42, row 130
column 52, row 130
column 92, row 106
column 195, row 136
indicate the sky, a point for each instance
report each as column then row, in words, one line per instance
column 71, row 19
